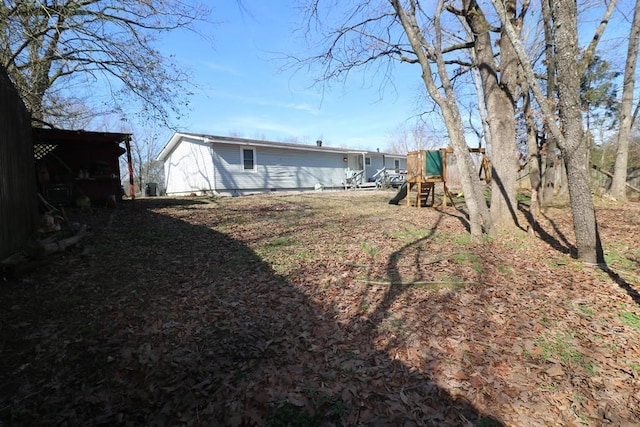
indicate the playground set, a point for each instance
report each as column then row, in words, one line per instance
column 425, row 169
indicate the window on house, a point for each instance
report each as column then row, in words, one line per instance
column 367, row 161
column 248, row 158
column 396, row 164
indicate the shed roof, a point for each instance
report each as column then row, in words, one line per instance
column 45, row 141
column 57, row 136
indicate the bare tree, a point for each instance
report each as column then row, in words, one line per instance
column 619, row 181
column 145, row 147
column 417, row 137
column 570, row 138
column 499, row 90
column 50, row 45
column 380, row 32
column 431, row 53
column 552, row 160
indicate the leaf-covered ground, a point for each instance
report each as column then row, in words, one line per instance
column 323, row 309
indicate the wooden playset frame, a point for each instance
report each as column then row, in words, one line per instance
column 426, row 168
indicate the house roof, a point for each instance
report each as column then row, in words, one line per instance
column 259, row 143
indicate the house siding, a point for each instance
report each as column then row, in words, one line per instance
column 189, row 168
column 377, row 163
column 216, row 165
column 275, row 169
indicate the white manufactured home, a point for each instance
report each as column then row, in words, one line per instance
column 220, row 165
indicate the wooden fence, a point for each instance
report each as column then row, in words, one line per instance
column 18, row 190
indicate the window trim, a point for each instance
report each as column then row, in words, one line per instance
column 242, row 159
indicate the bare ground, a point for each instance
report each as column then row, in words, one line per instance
column 322, row 309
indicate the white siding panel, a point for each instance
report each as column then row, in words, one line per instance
column 227, row 161
column 276, row 169
column 189, row 168
column 195, row 166
column 377, row 163
column 402, row 162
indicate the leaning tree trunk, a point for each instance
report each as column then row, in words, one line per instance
column 618, row 184
column 479, row 217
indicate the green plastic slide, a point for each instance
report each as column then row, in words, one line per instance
column 402, row 193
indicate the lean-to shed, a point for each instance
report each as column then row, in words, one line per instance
column 72, row 164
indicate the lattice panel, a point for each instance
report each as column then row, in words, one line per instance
column 40, row 151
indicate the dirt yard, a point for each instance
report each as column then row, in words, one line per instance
column 322, row 309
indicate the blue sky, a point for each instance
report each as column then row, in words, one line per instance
column 246, row 92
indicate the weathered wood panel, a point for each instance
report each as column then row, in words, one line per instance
column 18, row 190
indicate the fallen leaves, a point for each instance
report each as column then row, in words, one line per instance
column 275, row 310
column 555, row 370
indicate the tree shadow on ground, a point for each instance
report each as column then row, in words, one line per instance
column 408, row 273
column 559, row 243
column 563, row 245
column 626, row 286
column 163, row 322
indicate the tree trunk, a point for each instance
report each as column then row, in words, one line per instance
column 564, row 13
column 551, row 161
column 479, row 217
column 618, row 187
column 535, row 178
column 504, row 161
column 498, row 85
column 562, row 181
column 551, row 164
column 574, row 149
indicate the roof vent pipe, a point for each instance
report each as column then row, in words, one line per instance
column 319, row 143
